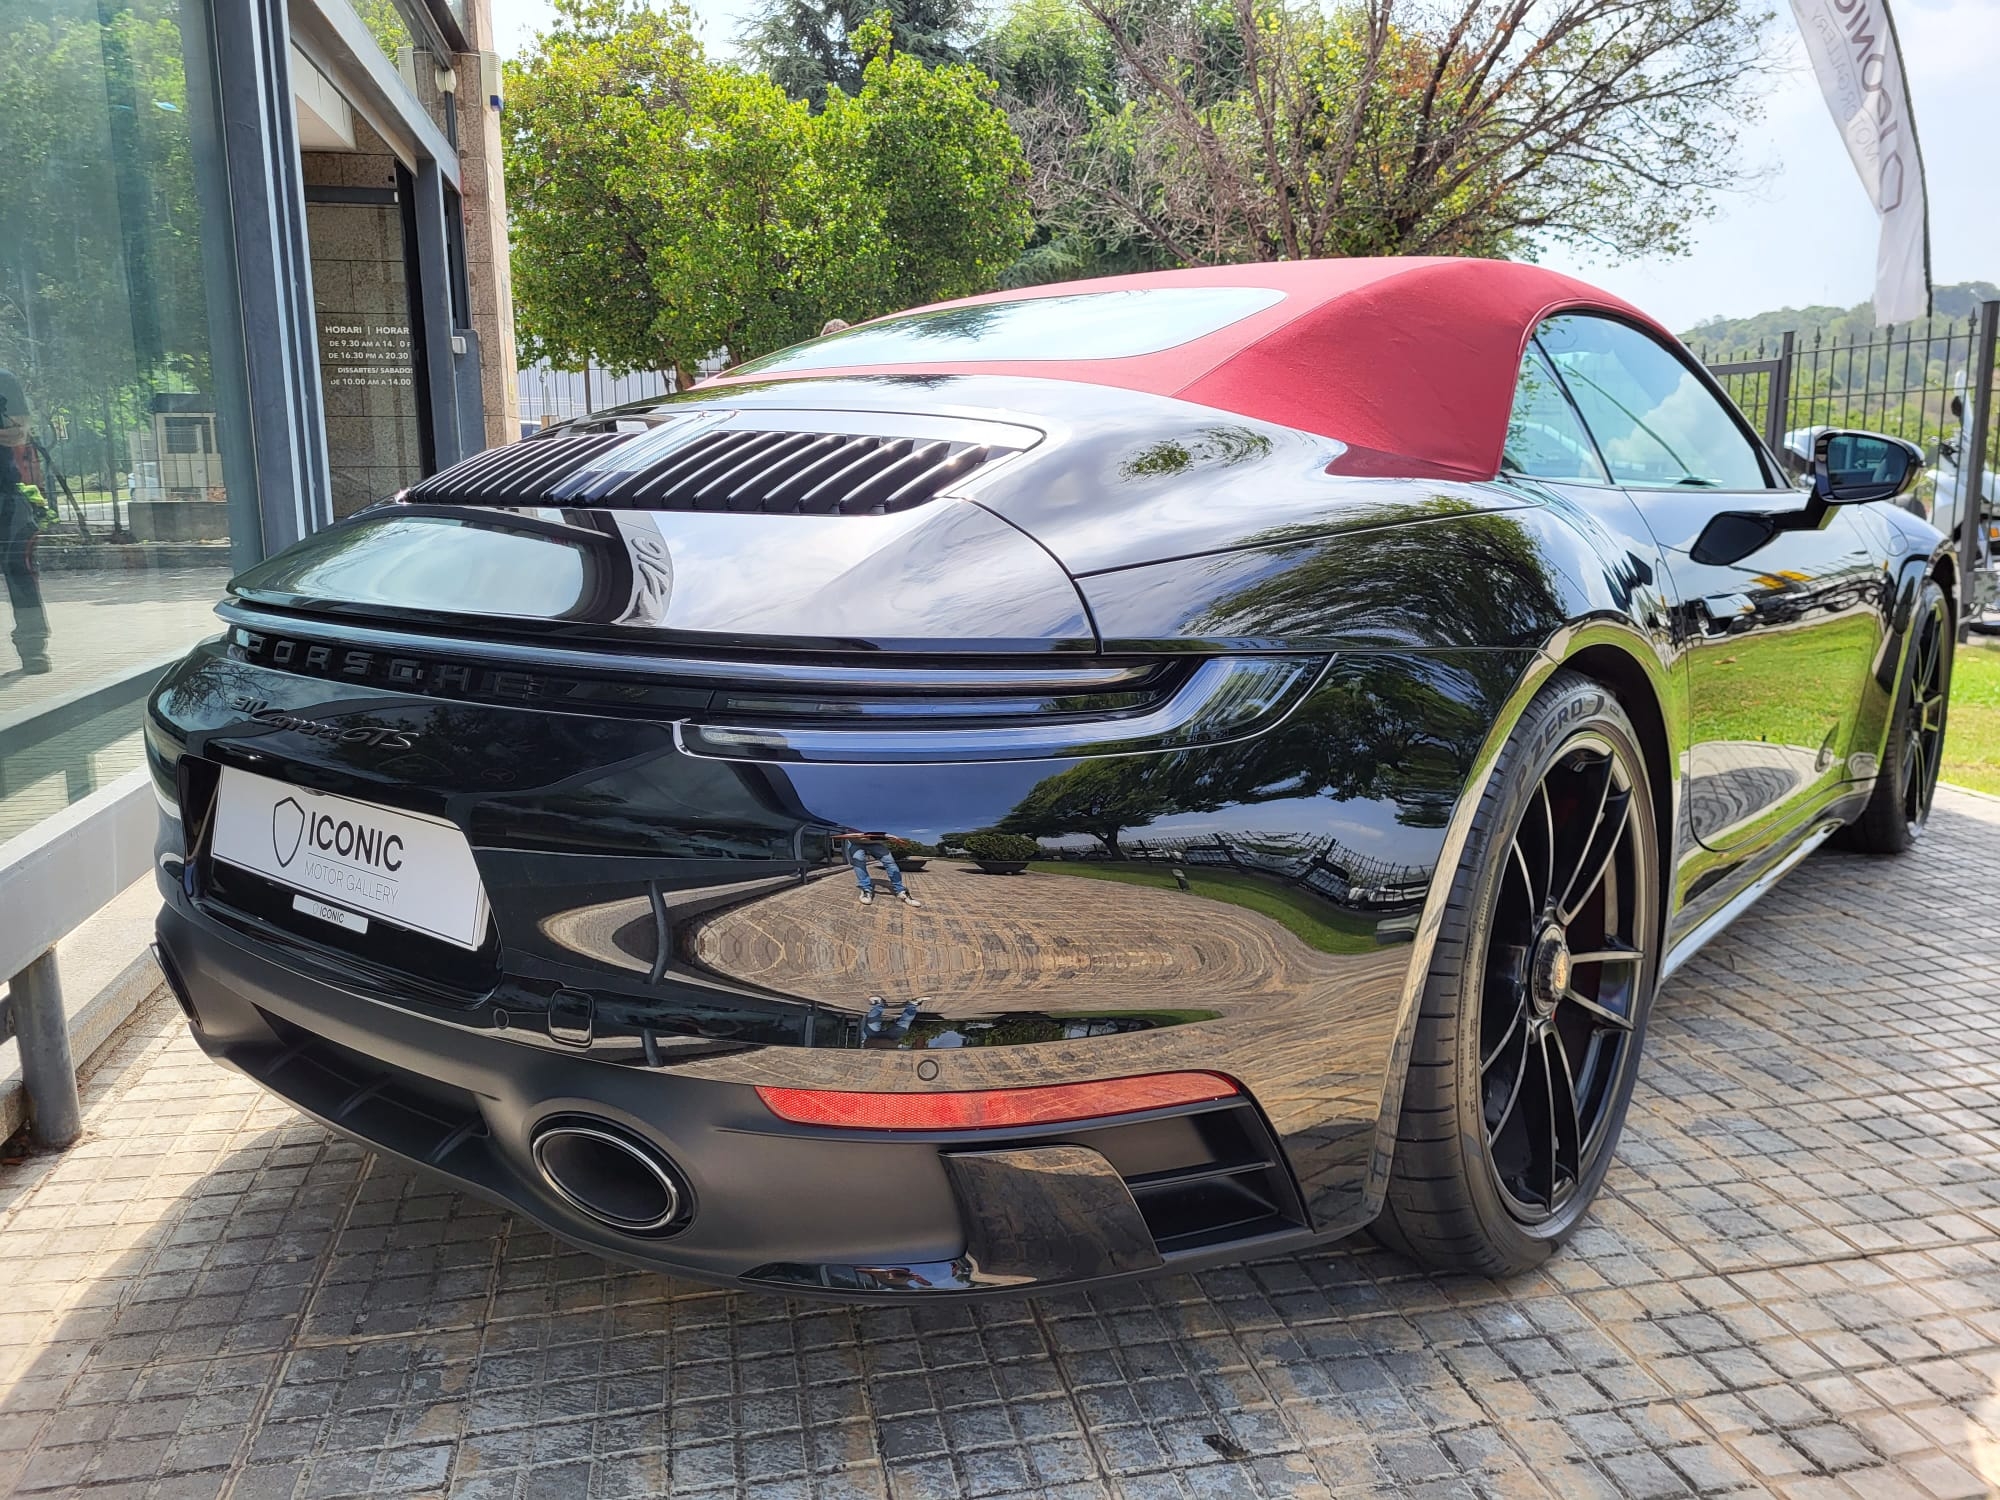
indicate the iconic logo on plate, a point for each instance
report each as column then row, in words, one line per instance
column 288, row 827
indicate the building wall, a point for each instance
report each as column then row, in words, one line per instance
column 489, row 278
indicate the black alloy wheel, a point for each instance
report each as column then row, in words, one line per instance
column 1923, row 729
column 1533, row 1014
column 1564, row 956
column 1899, row 804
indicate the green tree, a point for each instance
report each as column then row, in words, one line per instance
column 815, row 48
column 666, row 208
column 941, row 174
column 1052, row 50
column 1238, row 130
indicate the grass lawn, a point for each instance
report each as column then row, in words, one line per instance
column 1312, row 921
column 1972, row 735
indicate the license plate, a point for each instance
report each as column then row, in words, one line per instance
column 401, row 868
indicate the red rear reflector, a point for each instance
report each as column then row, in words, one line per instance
column 991, row 1108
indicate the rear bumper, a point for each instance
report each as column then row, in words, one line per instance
column 773, row 1205
column 670, row 930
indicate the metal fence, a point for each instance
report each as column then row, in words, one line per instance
column 1930, row 382
column 1896, row 380
column 1325, row 864
column 552, row 395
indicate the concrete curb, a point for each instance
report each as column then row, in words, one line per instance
column 1966, row 791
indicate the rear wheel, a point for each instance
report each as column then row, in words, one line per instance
column 1906, row 782
column 1534, row 1011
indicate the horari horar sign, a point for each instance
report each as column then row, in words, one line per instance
column 358, row 350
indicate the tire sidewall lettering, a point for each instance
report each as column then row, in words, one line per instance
column 1565, row 716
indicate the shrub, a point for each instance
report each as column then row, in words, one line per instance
column 1000, row 846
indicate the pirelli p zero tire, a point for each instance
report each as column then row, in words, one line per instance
column 1906, row 781
column 1534, row 1011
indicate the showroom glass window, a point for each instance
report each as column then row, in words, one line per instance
column 1656, row 423
column 115, row 510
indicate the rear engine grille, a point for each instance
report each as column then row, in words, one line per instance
column 789, row 473
column 741, row 468
column 518, row 474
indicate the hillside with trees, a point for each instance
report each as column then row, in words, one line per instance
column 1848, row 372
column 1956, row 303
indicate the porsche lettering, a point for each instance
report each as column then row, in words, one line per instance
column 262, row 712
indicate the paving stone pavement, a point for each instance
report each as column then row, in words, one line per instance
column 1792, row 1287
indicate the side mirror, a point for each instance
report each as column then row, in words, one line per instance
column 1852, row 468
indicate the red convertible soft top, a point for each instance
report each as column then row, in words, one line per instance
column 1410, row 362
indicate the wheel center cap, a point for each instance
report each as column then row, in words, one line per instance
column 1548, row 970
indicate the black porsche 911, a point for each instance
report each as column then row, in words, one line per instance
column 1050, row 787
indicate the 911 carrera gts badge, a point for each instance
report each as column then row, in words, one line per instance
column 261, row 711
column 288, row 827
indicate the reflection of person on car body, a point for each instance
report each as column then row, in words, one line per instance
column 860, row 848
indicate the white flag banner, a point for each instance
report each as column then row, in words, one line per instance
column 1853, row 48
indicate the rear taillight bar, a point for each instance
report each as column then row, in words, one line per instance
column 992, row 1109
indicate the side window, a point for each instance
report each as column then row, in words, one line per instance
column 1655, row 422
column 1544, row 437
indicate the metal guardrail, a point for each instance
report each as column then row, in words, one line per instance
column 53, row 879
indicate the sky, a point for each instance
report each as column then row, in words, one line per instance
column 1803, row 232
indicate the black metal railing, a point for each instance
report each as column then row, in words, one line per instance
column 1899, row 380
column 1930, row 382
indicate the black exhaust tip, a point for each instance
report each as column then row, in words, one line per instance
column 605, row 1172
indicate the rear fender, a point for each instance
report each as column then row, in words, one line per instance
column 1578, row 646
